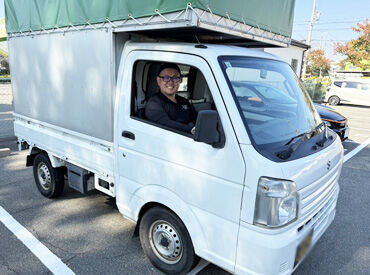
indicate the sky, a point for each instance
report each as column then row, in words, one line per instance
column 337, row 17
column 333, row 25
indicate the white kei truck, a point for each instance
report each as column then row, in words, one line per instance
column 251, row 191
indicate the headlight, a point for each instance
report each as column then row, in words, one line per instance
column 328, row 123
column 276, row 202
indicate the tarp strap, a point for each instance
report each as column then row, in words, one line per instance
column 113, row 25
column 157, row 12
column 92, row 26
column 73, row 27
column 137, row 21
column 189, row 6
column 209, row 9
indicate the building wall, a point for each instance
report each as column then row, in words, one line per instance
column 288, row 54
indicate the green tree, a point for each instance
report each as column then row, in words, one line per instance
column 318, row 64
column 357, row 50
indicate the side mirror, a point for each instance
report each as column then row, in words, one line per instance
column 208, row 129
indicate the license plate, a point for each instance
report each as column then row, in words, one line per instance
column 303, row 248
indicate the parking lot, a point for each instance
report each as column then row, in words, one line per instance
column 88, row 235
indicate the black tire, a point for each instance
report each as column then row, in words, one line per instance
column 49, row 180
column 172, row 238
column 334, row 100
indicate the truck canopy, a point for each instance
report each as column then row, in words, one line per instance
column 267, row 21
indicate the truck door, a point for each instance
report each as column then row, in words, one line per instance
column 159, row 164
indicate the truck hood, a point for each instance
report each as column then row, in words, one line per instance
column 316, row 176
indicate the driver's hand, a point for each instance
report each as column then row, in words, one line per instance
column 192, row 131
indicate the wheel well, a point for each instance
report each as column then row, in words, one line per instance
column 34, row 152
column 143, row 210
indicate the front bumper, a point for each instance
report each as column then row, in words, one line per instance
column 266, row 251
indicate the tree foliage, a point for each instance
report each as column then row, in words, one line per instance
column 4, row 65
column 318, row 64
column 357, row 50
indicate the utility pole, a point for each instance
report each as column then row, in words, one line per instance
column 314, row 17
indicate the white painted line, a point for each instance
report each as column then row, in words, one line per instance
column 350, row 141
column 356, row 150
column 52, row 262
column 202, row 264
column 4, row 152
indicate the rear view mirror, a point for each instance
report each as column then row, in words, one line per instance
column 208, row 129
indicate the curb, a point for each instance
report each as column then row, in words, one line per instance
column 4, row 152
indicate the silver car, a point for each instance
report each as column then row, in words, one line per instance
column 349, row 92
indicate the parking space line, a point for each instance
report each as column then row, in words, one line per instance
column 52, row 262
column 356, row 150
column 350, row 141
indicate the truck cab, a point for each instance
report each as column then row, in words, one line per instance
column 247, row 187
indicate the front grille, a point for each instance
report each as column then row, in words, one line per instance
column 315, row 195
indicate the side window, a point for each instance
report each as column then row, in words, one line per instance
column 338, row 83
column 351, row 85
column 365, row 87
column 192, row 93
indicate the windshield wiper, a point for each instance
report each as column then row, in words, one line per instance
column 299, row 137
column 285, row 154
column 325, row 136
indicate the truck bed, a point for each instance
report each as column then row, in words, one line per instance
column 84, row 151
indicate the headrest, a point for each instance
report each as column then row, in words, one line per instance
column 201, row 89
column 151, row 83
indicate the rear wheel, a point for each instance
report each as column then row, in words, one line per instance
column 334, row 100
column 166, row 242
column 49, row 180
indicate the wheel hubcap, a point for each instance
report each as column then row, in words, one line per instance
column 334, row 101
column 165, row 242
column 44, row 176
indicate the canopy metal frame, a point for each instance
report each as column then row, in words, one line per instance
column 229, row 31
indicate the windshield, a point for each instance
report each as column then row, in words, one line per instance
column 274, row 105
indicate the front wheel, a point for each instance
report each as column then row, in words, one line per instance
column 166, row 241
column 334, row 100
column 49, row 180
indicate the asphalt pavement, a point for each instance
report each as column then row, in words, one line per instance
column 90, row 236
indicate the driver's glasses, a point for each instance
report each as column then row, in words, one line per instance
column 167, row 78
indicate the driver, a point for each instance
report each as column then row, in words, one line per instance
column 166, row 107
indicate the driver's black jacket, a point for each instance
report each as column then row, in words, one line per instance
column 180, row 116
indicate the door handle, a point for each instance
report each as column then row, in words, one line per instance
column 128, row 134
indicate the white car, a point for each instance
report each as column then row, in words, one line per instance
column 349, row 91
